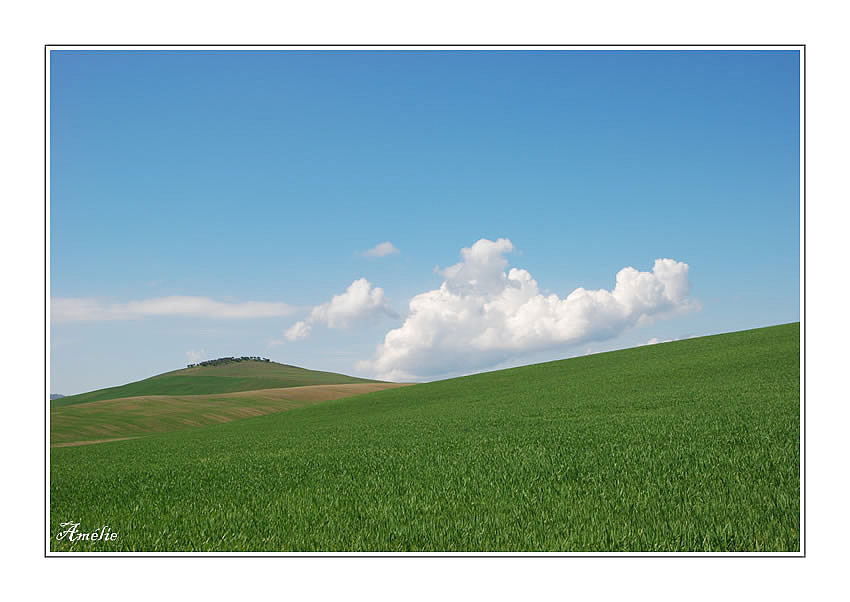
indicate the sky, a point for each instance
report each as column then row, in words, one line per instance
column 414, row 215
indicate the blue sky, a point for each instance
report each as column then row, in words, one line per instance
column 250, row 184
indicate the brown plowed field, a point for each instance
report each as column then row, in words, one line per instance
column 112, row 419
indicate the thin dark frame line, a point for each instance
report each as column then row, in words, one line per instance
column 47, row 554
column 433, row 45
column 402, row 555
column 44, row 292
column 803, row 231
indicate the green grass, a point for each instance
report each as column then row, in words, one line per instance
column 227, row 378
column 684, row 446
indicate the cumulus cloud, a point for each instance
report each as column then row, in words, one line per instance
column 484, row 314
column 381, row 250
column 70, row 309
column 299, row 330
column 360, row 301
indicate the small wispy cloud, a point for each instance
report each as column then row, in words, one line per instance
column 196, row 356
column 656, row 340
column 76, row 309
column 381, row 250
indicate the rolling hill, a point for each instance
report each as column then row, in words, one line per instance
column 225, row 378
column 691, row 445
column 126, row 417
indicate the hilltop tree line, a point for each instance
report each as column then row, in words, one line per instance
column 229, row 360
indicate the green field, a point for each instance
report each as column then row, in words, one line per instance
column 204, row 380
column 692, row 445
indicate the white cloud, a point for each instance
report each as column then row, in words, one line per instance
column 482, row 314
column 69, row 309
column 195, row 356
column 381, row 250
column 299, row 330
column 656, row 340
column 360, row 301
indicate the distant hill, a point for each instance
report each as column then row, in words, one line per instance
column 55, row 396
column 228, row 377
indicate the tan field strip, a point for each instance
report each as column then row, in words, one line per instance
column 76, row 443
column 129, row 417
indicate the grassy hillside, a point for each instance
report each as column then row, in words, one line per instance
column 227, row 378
column 98, row 421
column 685, row 446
